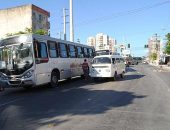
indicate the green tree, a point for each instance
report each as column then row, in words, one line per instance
column 41, row 32
column 28, row 30
column 167, row 48
column 153, row 56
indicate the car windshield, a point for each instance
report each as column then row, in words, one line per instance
column 15, row 56
column 102, row 60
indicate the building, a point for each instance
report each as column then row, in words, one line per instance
column 19, row 18
column 154, row 46
column 91, row 41
column 102, row 42
column 112, row 44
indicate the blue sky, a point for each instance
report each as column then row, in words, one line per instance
column 119, row 19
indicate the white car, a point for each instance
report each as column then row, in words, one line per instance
column 106, row 66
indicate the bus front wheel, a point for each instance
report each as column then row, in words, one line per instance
column 54, row 79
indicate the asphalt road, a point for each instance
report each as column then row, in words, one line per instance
column 141, row 101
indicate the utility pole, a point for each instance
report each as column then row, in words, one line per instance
column 64, row 22
column 71, row 22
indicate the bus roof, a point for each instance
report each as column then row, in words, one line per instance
column 44, row 37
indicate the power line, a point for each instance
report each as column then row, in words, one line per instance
column 120, row 14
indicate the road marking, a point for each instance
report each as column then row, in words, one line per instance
column 1, row 105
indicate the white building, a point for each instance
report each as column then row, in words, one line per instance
column 112, row 44
column 91, row 41
column 102, row 42
column 16, row 19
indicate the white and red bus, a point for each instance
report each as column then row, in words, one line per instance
column 30, row 60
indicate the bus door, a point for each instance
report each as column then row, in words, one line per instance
column 42, row 70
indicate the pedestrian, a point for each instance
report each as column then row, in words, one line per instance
column 85, row 68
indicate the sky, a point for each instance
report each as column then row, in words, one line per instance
column 128, row 21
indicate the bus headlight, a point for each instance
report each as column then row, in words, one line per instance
column 28, row 74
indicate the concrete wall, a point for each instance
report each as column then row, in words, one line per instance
column 13, row 20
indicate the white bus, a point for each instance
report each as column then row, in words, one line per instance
column 30, row 60
column 106, row 66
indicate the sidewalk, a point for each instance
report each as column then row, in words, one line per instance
column 164, row 67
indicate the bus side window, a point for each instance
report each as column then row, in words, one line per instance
column 40, row 51
column 53, row 49
column 90, row 53
column 85, row 52
column 79, row 52
column 72, row 51
column 63, row 50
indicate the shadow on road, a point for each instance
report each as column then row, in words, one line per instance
column 131, row 77
column 129, row 69
column 44, row 106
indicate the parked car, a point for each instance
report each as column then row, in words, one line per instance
column 106, row 66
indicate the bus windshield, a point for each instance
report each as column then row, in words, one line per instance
column 102, row 60
column 16, row 57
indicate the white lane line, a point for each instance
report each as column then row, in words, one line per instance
column 1, row 105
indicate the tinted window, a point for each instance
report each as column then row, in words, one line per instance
column 40, row 50
column 63, row 50
column 52, row 49
column 85, row 52
column 79, row 52
column 90, row 53
column 72, row 51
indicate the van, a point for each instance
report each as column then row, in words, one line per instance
column 107, row 66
